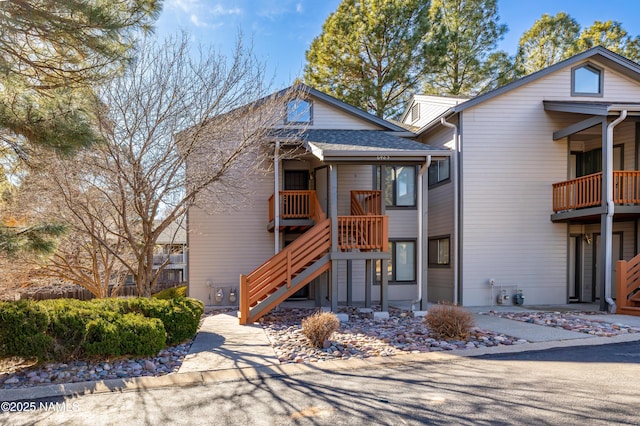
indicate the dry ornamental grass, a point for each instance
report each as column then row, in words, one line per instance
column 319, row 327
column 447, row 321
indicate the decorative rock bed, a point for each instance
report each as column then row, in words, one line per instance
column 364, row 337
column 573, row 321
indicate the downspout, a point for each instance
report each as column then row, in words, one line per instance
column 276, row 197
column 456, row 191
column 610, row 211
column 424, row 167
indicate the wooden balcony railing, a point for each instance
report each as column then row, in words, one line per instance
column 297, row 205
column 586, row 191
column 366, row 202
column 369, row 232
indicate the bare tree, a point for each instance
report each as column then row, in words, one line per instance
column 174, row 107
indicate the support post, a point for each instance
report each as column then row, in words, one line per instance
column 384, row 287
column 368, row 283
column 349, row 282
column 244, row 300
column 276, row 198
column 333, row 214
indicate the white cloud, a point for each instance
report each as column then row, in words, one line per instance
column 187, row 6
column 219, row 10
column 299, row 8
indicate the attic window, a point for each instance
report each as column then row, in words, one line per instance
column 586, row 80
column 299, row 111
column 415, row 112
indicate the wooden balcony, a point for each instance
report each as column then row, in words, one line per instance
column 586, row 191
column 299, row 206
column 365, row 233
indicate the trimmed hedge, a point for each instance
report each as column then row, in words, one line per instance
column 171, row 293
column 68, row 328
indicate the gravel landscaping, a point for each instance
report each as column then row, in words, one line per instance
column 572, row 321
column 364, row 337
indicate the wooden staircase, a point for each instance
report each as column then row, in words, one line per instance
column 285, row 273
column 628, row 287
column 308, row 256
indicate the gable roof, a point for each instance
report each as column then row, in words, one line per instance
column 343, row 106
column 439, row 102
column 608, row 58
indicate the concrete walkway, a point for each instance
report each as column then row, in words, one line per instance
column 221, row 344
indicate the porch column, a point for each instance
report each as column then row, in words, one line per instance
column 349, row 282
column 384, row 287
column 368, row 282
column 333, row 214
column 276, row 198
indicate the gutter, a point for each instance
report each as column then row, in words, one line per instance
column 456, row 203
column 610, row 211
column 424, row 167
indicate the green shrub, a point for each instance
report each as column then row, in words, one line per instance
column 180, row 316
column 23, row 327
column 130, row 334
column 319, row 327
column 64, row 328
column 172, row 293
column 448, row 321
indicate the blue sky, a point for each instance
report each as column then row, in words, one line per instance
column 282, row 30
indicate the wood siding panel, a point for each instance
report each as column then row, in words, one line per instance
column 440, row 222
column 226, row 244
column 326, row 116
column 510, row 162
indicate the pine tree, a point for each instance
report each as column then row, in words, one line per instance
column 371, row 53
column 470, row 31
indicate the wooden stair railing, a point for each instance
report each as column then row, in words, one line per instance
column 366, row 202
column 285, row 273
column 628, row 286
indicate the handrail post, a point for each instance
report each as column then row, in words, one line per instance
column 621, row 283
column 288, row 268
column 244, row 300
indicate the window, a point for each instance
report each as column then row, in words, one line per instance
column 586, row 80
column 415, row 112
column 439, row 251
column 299, row 111
column 399, row 185
column 402, row 266
column 439, row 171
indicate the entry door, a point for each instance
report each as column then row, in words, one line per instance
column 616, row 251
column 322, row 188
column 576, row 267
column 296, row 180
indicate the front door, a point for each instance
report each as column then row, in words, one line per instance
column 616, row 251
column 296, row 180
column 575, row 267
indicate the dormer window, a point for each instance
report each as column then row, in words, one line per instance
column 299, row 111
column 587, row 80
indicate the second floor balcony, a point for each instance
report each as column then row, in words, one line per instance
column 582, row 197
